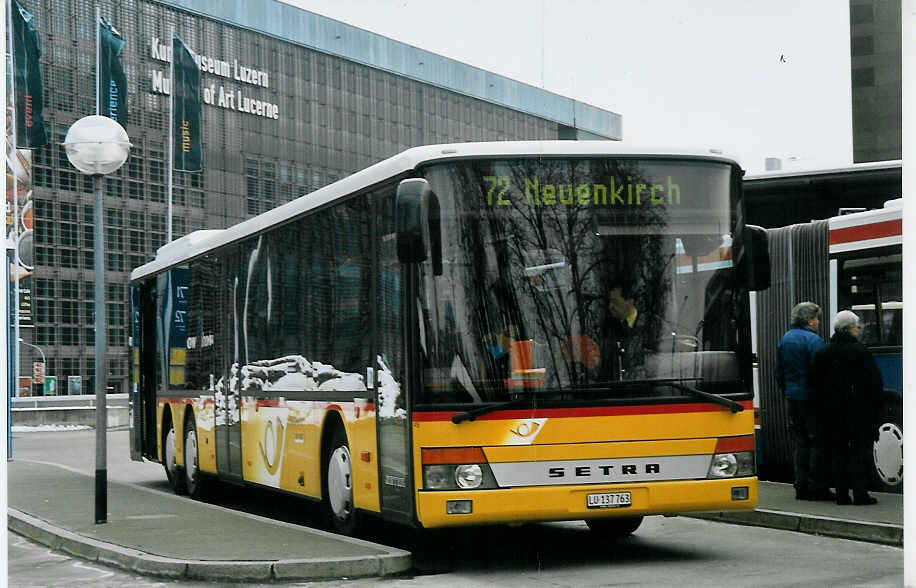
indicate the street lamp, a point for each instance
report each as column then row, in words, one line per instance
column 97, row 146
column 36, row 347
column 43, row 362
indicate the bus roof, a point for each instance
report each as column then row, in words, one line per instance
column 200, row 242
column 853, row 168
column 867, row 229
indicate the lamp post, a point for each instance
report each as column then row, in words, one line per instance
column 36, row 347
column 44, row 362
column 97, row 146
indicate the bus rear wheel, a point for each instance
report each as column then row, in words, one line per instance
column 195, row 481
column 338, row 485
column 169, row 457
column 614, row 527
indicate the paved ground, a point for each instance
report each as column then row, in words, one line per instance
column 171, row 536
column 156, row 533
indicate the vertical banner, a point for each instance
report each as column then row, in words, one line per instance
column 112, row 81
column 186, row 123
column 31, row 131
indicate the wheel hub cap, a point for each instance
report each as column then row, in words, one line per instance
column 340, row 482
column 888, row 454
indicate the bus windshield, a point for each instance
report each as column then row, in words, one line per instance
column 581, row 280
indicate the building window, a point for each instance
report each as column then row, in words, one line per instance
column 44, row 287
column 44, row 311
column 135, row 190
column 862, row 46
column 861, row 13
column 69, row 336
column 46, row 336
column 69, row 258
column 44, row 256
column 863, row 77
column 69, row 311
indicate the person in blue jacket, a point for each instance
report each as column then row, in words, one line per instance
column 794, row 359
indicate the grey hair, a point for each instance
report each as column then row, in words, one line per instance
column 804, row 312
column 845, row 320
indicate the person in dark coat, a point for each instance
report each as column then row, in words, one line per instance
column 848, row 394
column 794, row 357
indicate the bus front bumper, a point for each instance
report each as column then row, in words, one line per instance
column 558, row 503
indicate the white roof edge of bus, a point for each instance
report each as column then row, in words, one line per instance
column 869, row 165
column 181, row 249
column 892, row 210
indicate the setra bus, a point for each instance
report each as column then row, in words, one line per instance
column 847, row 262
column 466, row 334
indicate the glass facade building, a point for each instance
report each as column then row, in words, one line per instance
column 876, row 78
column 292, row 101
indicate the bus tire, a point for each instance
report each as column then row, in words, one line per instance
column 195, row 481
column 614, row 527
column 342, row 516
column 887, row 451
column 169, row 455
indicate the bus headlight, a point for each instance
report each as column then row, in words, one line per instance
column 471, row 476
column 731, row 465
column 456, row 468
column 468, row 476
column 438, row 477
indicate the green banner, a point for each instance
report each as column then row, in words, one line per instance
column 31, row 131
column 186, row 123
column 112, row 81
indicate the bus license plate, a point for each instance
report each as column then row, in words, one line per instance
column 608, row 500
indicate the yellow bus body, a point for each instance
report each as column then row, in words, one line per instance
column 281, row 448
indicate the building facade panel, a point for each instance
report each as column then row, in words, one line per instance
column 293, row 101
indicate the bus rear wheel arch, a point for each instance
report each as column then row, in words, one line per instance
column 170, row 453
column 337, row 480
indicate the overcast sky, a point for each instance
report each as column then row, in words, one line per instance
column 757, row 79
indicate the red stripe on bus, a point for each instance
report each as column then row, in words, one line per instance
column 582, row 412
column 891, row 228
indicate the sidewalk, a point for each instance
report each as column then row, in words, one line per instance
column 159, row 534
column 777, row 508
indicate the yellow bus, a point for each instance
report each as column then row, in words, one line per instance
column 466, row 334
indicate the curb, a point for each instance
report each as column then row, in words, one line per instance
column 882, row 533
column 148, row 564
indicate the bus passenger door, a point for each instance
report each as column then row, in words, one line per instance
column 227, row 405
column 392, row 384
column 144, row 372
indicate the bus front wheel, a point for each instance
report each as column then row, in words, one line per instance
column 338, row 485
column 169, row 455
column 615, row 527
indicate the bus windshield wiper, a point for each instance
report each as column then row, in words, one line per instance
column 726, row 402
column 472, row 414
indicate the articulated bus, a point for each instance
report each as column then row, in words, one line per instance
column 466, row 334
column 847, row 262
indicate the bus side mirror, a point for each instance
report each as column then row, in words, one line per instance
column 756, row 259
column 417, row 224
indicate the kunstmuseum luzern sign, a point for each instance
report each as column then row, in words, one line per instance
column 218, row 95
